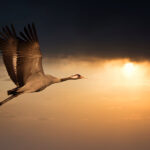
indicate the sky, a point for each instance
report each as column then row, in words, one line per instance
column 106, row 42
column 103, row 29
column 109, row 110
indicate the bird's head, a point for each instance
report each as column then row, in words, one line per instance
column 76, row 76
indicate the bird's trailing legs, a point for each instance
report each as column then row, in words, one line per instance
column 9, row 98
column 12, row 91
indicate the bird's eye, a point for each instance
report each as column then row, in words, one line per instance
column 79, row 75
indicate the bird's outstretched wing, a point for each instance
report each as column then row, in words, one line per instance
column 29, row 57
column 8, row 45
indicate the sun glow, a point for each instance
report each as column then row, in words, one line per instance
column 129, row 69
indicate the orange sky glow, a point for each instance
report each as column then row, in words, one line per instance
column 110, row 108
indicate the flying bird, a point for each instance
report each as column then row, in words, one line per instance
column 23, row 61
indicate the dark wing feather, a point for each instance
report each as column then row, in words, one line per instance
column 27, row 33
column 34, row 32
column 8, row 31
column 13, row 30
column 29, row 59
column 3, row 35
column 30, row 31
column 23, row 36
column 8, row 45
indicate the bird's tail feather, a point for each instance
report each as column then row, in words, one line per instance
column 9, row 98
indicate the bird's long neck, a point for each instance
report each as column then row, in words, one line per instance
column 53, row 79
column 57, row 80
column 65, row 79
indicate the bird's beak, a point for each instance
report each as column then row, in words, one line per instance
column 82, row 77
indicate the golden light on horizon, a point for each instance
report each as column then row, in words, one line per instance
column 111, row 105
column 129, row 69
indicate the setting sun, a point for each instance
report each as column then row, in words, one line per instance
column 129, row 69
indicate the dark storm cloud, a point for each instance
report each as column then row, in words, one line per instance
column 91, row 28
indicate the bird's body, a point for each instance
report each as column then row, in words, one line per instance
column 38, row 82
column 23, row 60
